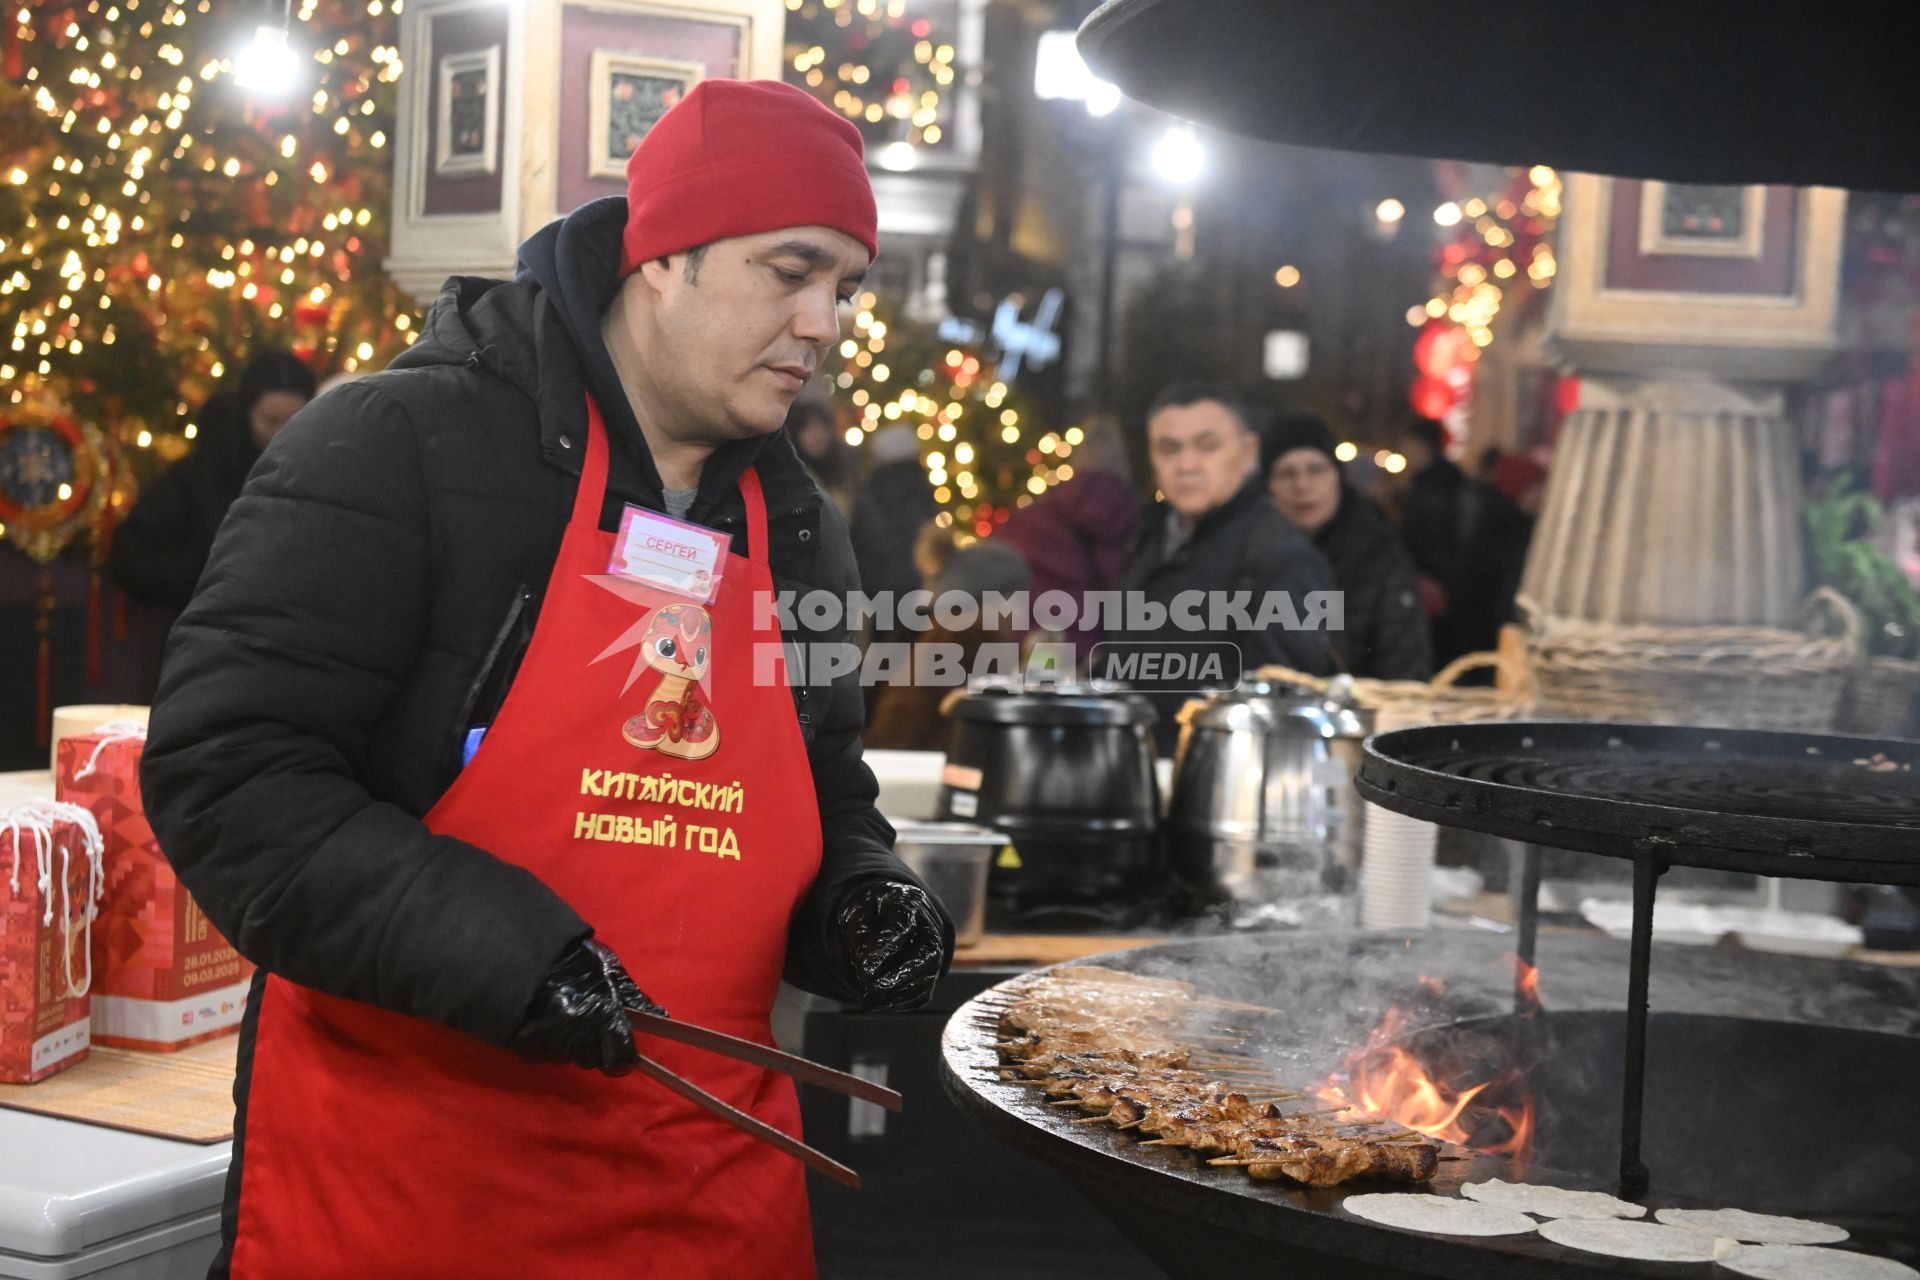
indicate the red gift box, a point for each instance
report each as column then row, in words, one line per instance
column 164, row 978
column 53, row 877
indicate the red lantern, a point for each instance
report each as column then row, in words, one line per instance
column 1430, row 397
column 1440, row 348
column 1566, row 395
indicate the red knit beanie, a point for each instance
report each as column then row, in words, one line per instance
column 740, row 157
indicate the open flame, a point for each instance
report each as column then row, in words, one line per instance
column 1478, row 1099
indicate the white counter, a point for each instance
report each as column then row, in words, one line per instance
column 79, row 1200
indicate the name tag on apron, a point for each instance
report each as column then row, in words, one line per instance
column 670, row 554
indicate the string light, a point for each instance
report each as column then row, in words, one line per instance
column 891, row 79
column 122, row 161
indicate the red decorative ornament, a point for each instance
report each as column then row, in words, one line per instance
column 1430, row 397
column 1566, row 395
column 1440, row 348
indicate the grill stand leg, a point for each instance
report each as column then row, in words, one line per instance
column 1647, row 869
column 1528, row 916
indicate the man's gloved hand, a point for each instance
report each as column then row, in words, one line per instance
column 895, row 945
column 579, row 1013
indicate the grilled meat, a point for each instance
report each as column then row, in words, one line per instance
column 1121, row 1049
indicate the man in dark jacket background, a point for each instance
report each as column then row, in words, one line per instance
column 1215, row 532
column 378, row 583
column 1435, row 516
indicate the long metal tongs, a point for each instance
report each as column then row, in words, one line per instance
column 758, row 1055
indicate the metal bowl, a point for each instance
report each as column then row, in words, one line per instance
column 953, row 859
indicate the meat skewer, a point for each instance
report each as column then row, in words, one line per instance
column 1123, row 1048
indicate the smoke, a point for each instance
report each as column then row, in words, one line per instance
column 1752, row 1102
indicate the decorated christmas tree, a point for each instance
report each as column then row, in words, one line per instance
column 160, row 221
column 983, row 450
column 886, row 70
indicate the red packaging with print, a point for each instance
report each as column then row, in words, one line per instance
column 163, row 978
column 50, row 875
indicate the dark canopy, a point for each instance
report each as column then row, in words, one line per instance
column 1705, row 91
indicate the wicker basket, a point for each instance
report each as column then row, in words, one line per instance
column 1735, row 677
column 1402, row 704
column 1878, row 702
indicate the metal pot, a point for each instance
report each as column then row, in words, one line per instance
column 1263, row 805
column 1068, row 776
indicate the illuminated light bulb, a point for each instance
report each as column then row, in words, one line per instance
column 1179, row 158
column 1287, row 277
column 144, row 439
column 1389, row 210
column 1346, row 451
column 1396, row 464
column 267, row 67
column 1447, row 215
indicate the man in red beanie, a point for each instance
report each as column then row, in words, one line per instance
column 461, row 741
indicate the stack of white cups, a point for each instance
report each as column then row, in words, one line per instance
column 1396, row 871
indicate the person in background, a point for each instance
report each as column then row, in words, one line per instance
column 1215, row 531
column 1075, row 535
column 906, row 715
column 889, row 509
column 1386, row 628
column 1495, row 556
column 1433, row 522
column 161, row 548
column 816, row 438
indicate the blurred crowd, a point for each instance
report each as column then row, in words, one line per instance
column 1428, row 562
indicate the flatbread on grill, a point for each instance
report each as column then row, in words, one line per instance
column 1647, row 1241
column 1799, row 1262
column 1438, row 1215
column 1551, row 1202
column 1753, row 1228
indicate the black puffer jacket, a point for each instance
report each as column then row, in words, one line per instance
column 1243, row 545
column 159, row 551
column 1386, row 632
column 368, row 598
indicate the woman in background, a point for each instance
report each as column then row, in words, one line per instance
column 1385, row 636
column 1075, row 536
column 159, row 551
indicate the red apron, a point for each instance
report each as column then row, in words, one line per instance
column 382, row 1145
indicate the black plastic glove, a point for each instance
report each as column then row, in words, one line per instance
column 895, row 944
column 579, row 1014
